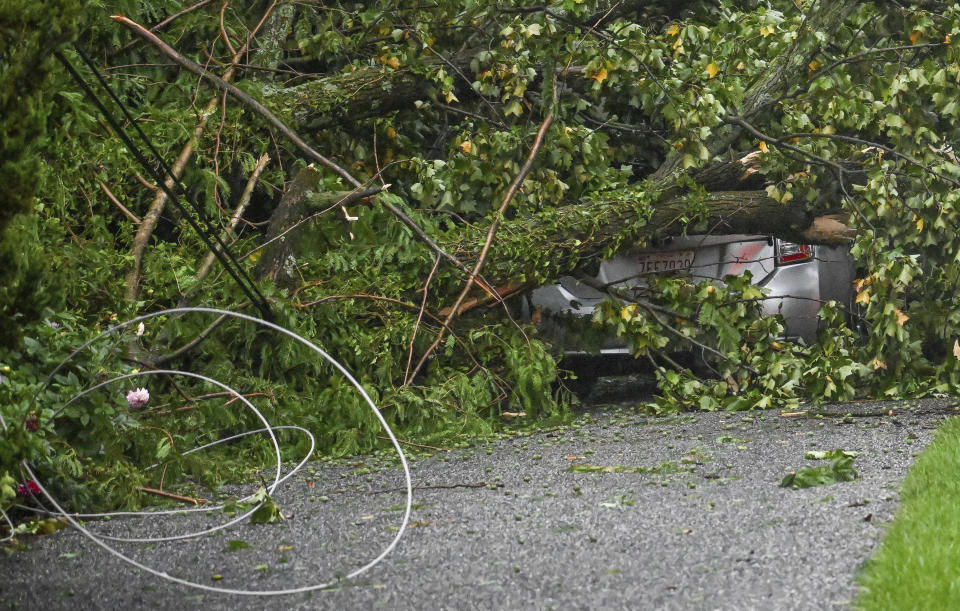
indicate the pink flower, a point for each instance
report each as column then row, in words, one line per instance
column 138, row 398
column 27, row 488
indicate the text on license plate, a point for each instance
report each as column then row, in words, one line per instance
column 665, row 261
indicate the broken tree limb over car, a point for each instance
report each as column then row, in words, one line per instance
column 728, row 212
column 583, row 232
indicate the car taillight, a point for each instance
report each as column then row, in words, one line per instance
column 788, row 252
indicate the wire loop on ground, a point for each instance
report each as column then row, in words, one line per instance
column 74, row 519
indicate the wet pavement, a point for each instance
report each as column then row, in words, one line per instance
column 620, row 511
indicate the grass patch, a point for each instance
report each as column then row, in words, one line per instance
column 916, row 567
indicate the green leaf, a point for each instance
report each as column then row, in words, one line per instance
column 267, row 513
column 829, row 454
column 840, row 470
column 235, row 545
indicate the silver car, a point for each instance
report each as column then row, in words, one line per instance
column 799, row 278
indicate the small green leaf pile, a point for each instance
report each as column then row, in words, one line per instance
column 840, row 469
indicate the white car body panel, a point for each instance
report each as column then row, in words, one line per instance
column 796, row 290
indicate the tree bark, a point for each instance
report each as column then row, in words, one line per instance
column 272, row 42
column 284, row 235
column 346, row 97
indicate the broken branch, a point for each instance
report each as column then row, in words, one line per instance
column 175, row 497
column 491, row 232
column 229, row 232
column 246, row 99
column 116, row 202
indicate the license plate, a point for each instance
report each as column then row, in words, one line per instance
column 659, row 262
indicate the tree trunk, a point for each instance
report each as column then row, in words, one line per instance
column 284, row 235
column 538, row 249
column 579, row 236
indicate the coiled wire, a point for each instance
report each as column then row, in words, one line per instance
column 100, row 540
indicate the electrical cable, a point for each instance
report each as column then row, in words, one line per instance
column 9, row 522
column 100, row 540
column 204, row 508
column 269, row 429
column 223, row 254
column 210, row 234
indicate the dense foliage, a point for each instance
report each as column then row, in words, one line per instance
column 643, row 110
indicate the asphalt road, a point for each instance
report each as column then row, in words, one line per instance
column 688, row 515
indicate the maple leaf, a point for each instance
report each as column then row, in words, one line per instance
column 600, row 75
column 901, row 317
column 712, row 69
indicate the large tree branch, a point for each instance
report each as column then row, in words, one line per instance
column 303, row 199
column 240, row 95
column 580, row 235
column 347, row 97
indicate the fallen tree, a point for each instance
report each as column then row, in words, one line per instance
column 711, row 134
column 623, row 216
column 747, row 155
column 424, row 160
column 361, row 93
